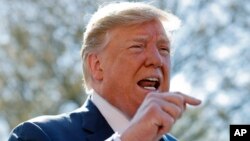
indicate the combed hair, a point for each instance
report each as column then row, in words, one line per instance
column 114, row 15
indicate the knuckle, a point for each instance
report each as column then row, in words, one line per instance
column 169, row 121
column 178, row 112
column 154, row 108
column 181, row 98
column 178, row 92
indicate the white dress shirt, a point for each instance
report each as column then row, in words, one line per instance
column 115, row 118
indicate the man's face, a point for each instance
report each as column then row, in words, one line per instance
column 135, row 61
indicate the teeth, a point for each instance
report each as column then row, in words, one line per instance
column 152, row 79
column 150, row 88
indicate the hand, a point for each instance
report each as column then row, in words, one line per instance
column 156, row 115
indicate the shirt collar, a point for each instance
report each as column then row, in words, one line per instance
column 115, row 118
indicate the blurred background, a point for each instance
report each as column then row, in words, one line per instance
column 40, row 65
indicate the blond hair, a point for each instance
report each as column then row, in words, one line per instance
column 118, row 14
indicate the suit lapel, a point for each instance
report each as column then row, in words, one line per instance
column 94, row 124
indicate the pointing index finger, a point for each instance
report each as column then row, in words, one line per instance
column 190, row 100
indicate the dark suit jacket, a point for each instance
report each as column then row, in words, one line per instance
column 83, row 124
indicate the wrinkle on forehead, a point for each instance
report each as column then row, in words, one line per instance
column 137, row 34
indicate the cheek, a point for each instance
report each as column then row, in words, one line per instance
column 123, row 71
column 166, row 64
column 166, row 75
column 128, row 63
column 117, row 69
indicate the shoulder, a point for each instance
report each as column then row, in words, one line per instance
column 28, row 131
column 47, row 128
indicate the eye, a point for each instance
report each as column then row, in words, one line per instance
column 137, row 48
column 164, row 50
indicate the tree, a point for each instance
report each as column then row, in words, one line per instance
column 40, row 64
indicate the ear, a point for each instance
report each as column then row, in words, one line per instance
column 95, row 67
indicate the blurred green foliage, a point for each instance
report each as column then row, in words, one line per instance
column 40, row 65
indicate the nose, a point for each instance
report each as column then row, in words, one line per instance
column 153, row 57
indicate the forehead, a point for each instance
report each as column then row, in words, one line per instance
column 140, row 32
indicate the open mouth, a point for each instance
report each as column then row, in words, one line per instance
column 149, row 83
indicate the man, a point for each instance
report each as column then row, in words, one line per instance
column 126, row 65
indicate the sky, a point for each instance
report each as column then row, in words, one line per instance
column 228, row 48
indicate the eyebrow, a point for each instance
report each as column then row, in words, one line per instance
column 140, row 39
column 162, row 39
